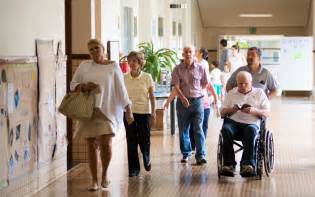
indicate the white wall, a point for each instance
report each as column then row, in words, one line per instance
column 111, row 20
column 197, row 28
column 24, row 21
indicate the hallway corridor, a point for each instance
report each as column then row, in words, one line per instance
column 292, row 123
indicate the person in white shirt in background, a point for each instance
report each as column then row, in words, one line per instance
column 215, row 78
column 225, row 75
column 236, row 59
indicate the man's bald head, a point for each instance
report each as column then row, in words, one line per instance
column 244, row 82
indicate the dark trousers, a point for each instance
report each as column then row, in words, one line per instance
column 247, row 134
column 138, row 133
column 204, row 128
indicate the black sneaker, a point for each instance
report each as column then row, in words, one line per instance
column 201, row 161
column 148, row 167
column 185, row 159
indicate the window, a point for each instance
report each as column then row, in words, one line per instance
column 180, row 29
column 160, row 27
column 135, row 27
column 174, row 25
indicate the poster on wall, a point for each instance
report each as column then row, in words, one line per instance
column 3, row 127
column 47, row 131
column 61, row 120
column 21, row 135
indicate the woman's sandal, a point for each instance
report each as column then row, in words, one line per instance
column 104, row 186
column 93, row 188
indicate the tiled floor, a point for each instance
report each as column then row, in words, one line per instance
column 292, row 123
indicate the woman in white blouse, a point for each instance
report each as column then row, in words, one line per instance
column 140, row 87
column 110, row 104
column 236, row 59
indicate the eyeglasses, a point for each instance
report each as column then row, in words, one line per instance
column 94, row 48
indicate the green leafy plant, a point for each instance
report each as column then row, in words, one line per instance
column 157, row 60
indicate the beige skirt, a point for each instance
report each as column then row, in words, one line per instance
column 98, row 125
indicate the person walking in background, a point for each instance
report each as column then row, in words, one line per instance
column 236, row 59
column 225, row 75
column 108, row 114
column 216, row 79
column 262, row 77
column 140, row 87
column 189, row 78
column 225, row 53
column 202, row 58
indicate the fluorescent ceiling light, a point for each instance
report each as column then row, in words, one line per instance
column 255, row 15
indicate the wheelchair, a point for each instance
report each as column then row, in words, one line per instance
column 264, row 152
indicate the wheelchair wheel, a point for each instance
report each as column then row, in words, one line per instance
column 220, row 156
column 259, row 157
column 268, row 153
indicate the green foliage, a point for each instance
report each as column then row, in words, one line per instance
column 157, row 60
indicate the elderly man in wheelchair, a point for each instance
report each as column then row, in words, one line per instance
column 243, row 110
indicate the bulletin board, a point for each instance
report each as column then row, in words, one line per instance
column 21, row 131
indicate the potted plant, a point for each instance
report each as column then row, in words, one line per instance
column 158, row 60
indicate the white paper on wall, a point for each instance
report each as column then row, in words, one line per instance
column 61, row 120
column 47, row 132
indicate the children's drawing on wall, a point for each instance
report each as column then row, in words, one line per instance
column 11, row 137
column 17, row 132
column 4, row 152
column 29, row 132
column 16, row 99
column 16, row 156
column 3, row 128
column 10, row 98
column 11, row 166
column 22, row 108
column 27, row 156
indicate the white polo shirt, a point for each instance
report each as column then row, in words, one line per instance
column 138, row 91
column 256, row 98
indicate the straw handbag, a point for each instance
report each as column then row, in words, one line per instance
column 78, row 105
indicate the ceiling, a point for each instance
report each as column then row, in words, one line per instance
column 225, row 13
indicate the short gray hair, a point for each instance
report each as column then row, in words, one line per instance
column 190, row 46
column 245, row 74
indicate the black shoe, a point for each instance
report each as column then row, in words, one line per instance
column 148, row 167
column 228, row 171
column 133, row 174
column 247, row 171
column 201, row 161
